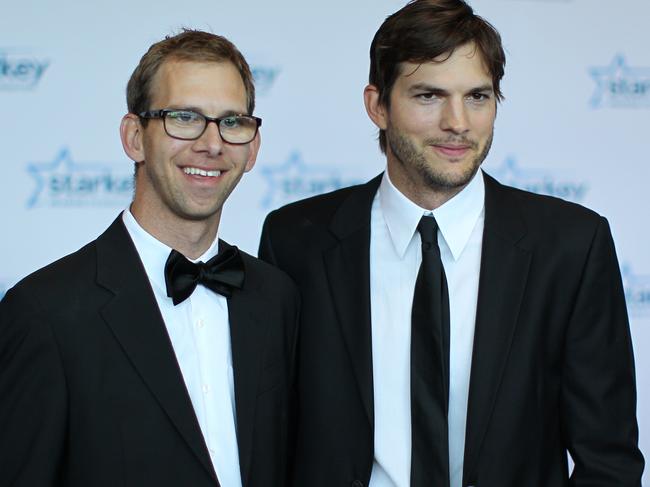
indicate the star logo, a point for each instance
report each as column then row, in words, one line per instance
column 264, row 77
column 620, row 86
column 294, row 179
column 63, row 182
column 539, row 181
column 637, row 291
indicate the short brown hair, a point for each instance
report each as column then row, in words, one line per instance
column 424, row 30
column 189, row 45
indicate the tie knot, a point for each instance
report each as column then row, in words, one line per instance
column 203, row 271
column 221, row 274
column 428, row 228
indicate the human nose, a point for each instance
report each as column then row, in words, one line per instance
column 454, row 117
column 210, row 140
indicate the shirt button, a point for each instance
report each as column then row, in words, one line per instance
column 205, row 388
column 200, row 323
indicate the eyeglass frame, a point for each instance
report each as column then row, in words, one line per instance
column 161, row 114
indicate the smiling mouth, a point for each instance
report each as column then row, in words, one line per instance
column 195, row 171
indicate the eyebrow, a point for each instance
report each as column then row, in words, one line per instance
column 425, row 87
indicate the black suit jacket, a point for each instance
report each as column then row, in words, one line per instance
column 552, row 366
column 91, row 394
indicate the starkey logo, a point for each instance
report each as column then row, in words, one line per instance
column 620, row 85
column 62, row 182
column 20, row 70
column 637, row 291
column 295, row 179
column 265, row 77
column 541, row 181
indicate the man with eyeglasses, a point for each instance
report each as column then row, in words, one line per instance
column 157, row 354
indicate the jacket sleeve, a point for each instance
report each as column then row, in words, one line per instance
column 32, row 395
column 598, row 383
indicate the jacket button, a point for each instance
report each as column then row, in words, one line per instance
column 357, row 483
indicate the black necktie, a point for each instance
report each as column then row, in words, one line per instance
column 430, row 366
column 221, row 273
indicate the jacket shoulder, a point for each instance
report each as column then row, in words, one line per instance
column 542, row 210
column 273, row 286
column 73, row 271
column 317, row 209
column 264, row 272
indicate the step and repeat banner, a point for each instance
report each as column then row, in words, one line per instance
column 575, row 122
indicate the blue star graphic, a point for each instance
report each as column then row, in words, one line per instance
column 621, row 84
column 511, row 173
column 40, row 170
column 62, row 163
column 264, row 77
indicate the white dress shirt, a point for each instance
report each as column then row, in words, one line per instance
column 200, row 335
column 395, row 257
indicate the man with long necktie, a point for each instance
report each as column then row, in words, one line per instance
column 455, row 332
column 158, row 354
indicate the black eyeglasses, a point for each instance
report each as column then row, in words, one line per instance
column 190, row 125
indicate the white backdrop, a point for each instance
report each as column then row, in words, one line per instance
column 575, row 122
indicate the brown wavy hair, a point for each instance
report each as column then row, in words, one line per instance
column 188, row 45
column 424, row 30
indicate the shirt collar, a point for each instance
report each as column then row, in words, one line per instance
column 153, row 253
column 456, row 218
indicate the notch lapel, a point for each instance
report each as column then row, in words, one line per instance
column 348, row 270
column 135, row 320
column 503, row 276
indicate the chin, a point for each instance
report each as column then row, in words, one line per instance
column 449, row 180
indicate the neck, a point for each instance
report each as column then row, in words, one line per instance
column 189, row 237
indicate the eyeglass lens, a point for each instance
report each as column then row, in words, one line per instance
column 185, row 124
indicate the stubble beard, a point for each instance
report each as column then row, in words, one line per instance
column 411, row 158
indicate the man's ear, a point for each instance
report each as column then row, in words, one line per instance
column 131, row 136
column 254, row 146
column 375, row 108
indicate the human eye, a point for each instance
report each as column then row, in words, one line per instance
column 231, row 122
column 185, row 117
column 427, row 96
column 479, row 97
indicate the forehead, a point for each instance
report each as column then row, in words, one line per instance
column 463, row 68
column 206, row 85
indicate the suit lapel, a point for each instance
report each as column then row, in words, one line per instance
column 503, row 275
column 137, row 324
column 248, row 340
column 348, row 271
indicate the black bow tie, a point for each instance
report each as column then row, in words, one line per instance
column 221, row 273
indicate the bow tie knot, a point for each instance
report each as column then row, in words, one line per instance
column 221, row 274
